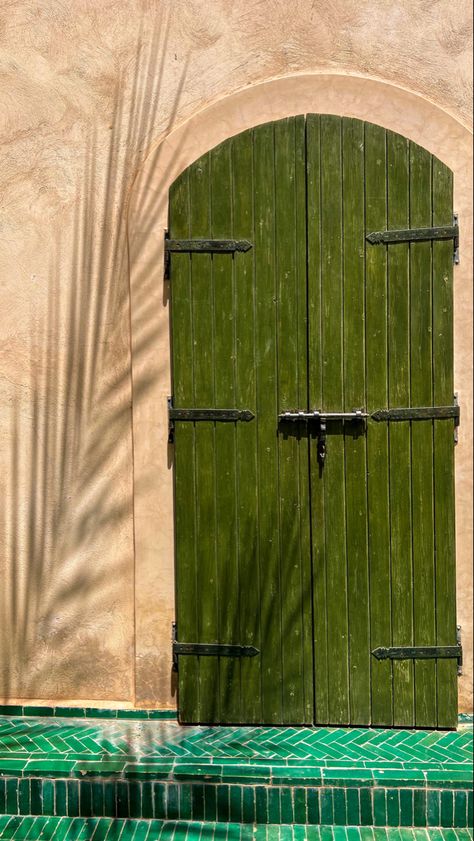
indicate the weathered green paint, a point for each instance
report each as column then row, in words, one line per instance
column 314, row 566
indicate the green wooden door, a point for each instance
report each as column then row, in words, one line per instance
column 314, row 563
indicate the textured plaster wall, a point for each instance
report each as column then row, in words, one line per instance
column 102, row 103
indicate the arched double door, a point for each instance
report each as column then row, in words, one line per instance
column 315, row 570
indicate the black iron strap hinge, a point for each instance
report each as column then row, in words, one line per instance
column 202, row 246
column 439, row 232
column 202, row 649
column 223, row 415
column 423, row 652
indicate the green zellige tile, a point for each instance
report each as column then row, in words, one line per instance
column 447, row 808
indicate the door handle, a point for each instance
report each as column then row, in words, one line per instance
column 322, row 419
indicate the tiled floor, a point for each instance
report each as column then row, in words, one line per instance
column 154, row 779
column 104, row 829
column 126, row 741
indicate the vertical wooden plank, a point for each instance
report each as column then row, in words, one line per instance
column 290, row 240
column 301, row 259
column 227, row 572
column 247, row 500
column 443, row 388
column 355, row 433
column 267, row 411
column 315, row 372
column 377, row 433
column 333, row 399
column 399, row 433
column 204, row 396
column 184, row 456
column 422, row 437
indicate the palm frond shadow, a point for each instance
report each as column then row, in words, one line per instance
column 68, row 496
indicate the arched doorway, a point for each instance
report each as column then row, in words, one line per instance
column 318, row 540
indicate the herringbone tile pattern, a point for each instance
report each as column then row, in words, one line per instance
column 105, row 829
column 325, row 747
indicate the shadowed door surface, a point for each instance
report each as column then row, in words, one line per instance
column 313, row 562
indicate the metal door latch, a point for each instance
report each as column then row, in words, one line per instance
column 322, row 418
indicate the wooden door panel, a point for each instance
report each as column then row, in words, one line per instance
column 314, row 565
column 248, row 484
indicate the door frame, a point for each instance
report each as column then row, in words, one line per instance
column 366, row 99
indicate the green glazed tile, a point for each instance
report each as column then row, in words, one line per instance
column 135, row 800
column 99, row 712
column 110, row 800
column 286, row 805
column 348, row 776
column 85, row 799
column 406, row 807
column 157, row 770
column 43, row 712
column 23, row 796
column 48, row 797
column 210, row 805
column 97, row 767
column 248, row 804
column 299, row 801
column 380, row 807
column 339, row 797
column 433, row 808
column 122, row 799
column 185, row 802
column 197, row 801
column 419, row 808
column 70, row 712
column 72, row 798
column 397, row 779
column 172, row 801
column 460, row 808
column 50, row 767
column 327, row 806
column 393, row 807
column 222, row 803
column 352, row 806
column 447, row 808
column 147, row 800
column 235, row 804
column 366, row 808
column 455, row 779
column 97, row 798
column 12, row 766
column 11, row 710
column 470, row 798
column 159, row 801
column 274, row 814
column 163, row 714
column 24, row 828
column 60, row 798
column 261, row 804
column 36, row 800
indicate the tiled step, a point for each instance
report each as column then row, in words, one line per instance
column 109, row 829
column 158, row 770
column 340, row 805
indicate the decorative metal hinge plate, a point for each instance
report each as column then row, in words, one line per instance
column 418, row 413
column 202, row 246
column 224, row 415
column 440, row 232
column 423, row 652
column 202, row 649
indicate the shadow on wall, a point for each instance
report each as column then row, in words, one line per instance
column 66, row 602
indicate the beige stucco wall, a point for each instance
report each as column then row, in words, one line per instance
column 104, row 102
